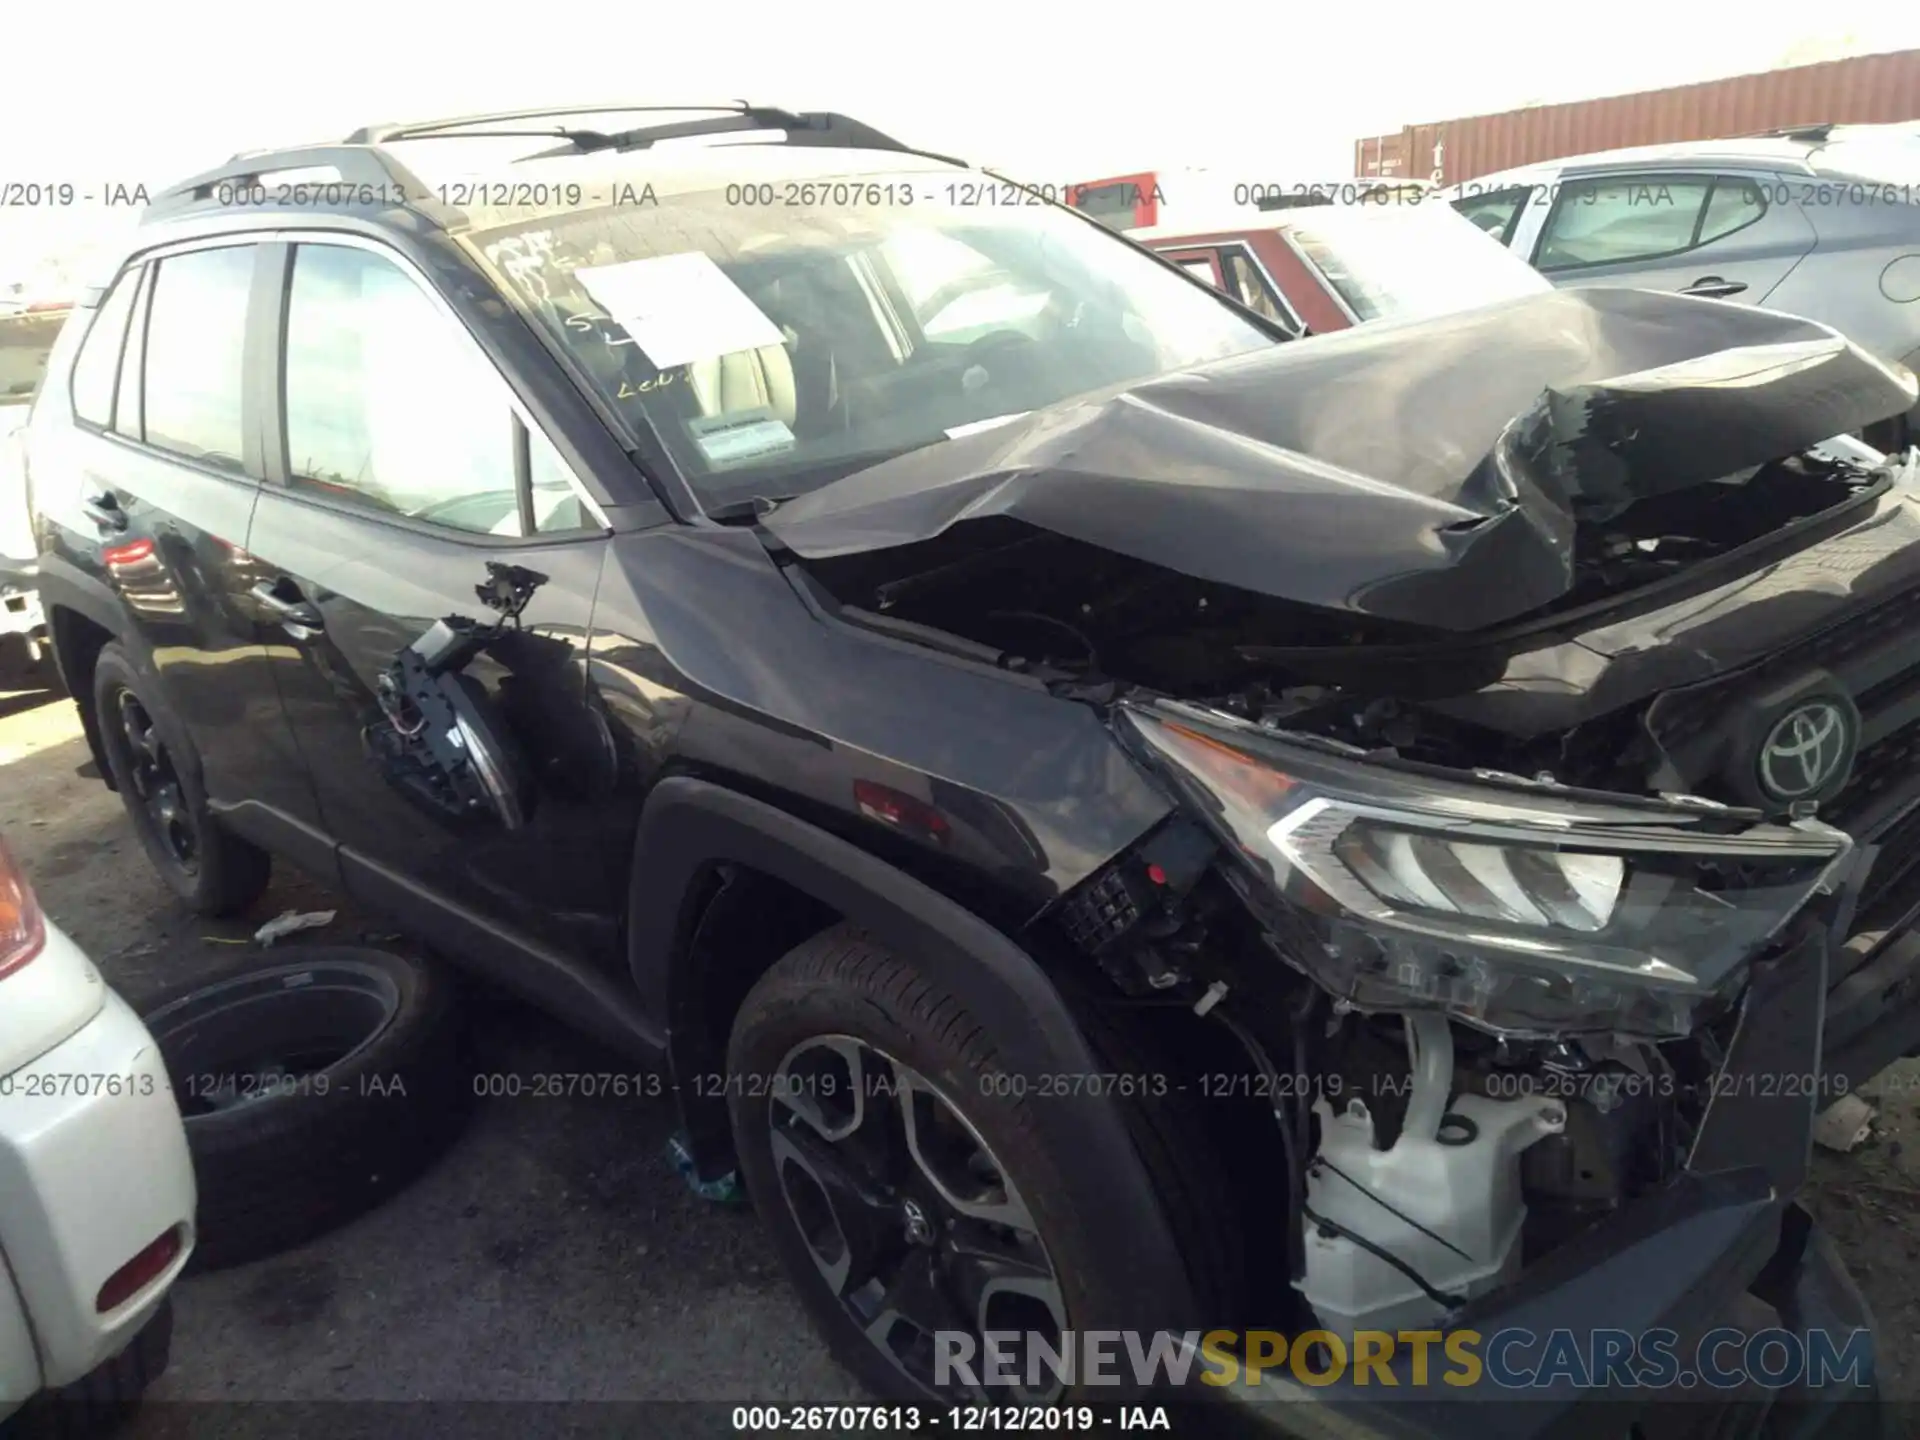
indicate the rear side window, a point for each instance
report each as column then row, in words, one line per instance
column 1495, row 211
column 389, row 404
column 127, row 408
column 195, row 359
column 97, row 367
column 1733, row 205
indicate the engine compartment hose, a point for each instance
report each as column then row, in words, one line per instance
column 1430, row 1054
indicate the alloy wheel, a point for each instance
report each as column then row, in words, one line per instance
column 916, row 1228
column 156, row 784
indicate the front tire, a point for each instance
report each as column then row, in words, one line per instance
column 154, row 769
column 907, row 1189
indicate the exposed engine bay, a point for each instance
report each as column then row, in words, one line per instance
column 1520, row 739
column 1424, row 1162
column 1428, row 1161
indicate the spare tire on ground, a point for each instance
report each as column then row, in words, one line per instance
column 314, row 1083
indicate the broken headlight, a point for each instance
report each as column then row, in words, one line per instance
column 1525, row 911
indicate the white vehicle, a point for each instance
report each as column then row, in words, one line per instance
column 96, row 1188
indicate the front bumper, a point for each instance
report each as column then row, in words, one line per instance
column 93, row 1169
column 1721, row 1247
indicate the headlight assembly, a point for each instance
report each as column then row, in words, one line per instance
column 1526, row 912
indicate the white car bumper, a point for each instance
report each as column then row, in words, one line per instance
column 94, row 1174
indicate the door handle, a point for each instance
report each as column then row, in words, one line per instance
column 296, row 616
column 1712, row 287
column 104, row 510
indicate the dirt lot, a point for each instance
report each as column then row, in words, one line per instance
column 553, row 1255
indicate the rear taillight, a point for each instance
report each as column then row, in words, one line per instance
column 138, row 1273
column 22, row 929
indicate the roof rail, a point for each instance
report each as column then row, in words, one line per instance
column 1818, row 131
column 357, row 165
column 361, row 162
column 809, row 127
column 423, row 129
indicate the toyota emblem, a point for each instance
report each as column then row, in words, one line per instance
column 1806, row 750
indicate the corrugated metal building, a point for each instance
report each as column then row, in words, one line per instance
column 1864, row 89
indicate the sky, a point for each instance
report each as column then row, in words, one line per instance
column 99, row 94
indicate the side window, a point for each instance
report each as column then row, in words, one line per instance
column 388, row 402
column 97, row 366
column 1496, row 211
column 195, row 371
column 1734, row 204
column 556, row 506
column 1200, row 270
column 128, row 405
column 1250, row 287
column 1610, row 220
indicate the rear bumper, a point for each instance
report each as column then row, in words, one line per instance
column 1718, row 1256
column 93, row 1170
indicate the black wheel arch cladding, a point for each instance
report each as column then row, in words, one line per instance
column 690, row 825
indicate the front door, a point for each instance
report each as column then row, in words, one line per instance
column 403, row 481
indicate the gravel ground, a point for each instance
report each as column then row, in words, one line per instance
column 553, row 1255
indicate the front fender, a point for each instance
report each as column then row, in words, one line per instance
column 691, row 825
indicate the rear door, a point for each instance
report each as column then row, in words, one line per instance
column 1724, row 235
column 400, row 466
column 152, row 487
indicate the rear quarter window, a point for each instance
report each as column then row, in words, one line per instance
column 97, row 368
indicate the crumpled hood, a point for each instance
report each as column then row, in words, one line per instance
column 1431, row 472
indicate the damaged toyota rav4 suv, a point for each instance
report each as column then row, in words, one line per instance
column 1112, row 820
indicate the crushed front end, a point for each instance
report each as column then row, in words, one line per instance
column 1539, row 694
column 1548, row 1066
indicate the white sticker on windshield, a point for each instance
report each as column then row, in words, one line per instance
column 730, row 439
column 679, row 308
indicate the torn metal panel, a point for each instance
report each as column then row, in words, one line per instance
column 1432, row 472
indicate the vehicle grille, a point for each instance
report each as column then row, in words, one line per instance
column 1875, row 655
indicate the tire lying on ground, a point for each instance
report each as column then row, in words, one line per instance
column 313, row 1086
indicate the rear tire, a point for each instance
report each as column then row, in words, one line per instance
column 312, row 1089
column 841, row 984
column 158, row 777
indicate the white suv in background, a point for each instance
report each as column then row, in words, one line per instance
column 96, row 1188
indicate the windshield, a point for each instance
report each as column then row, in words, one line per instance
column 1402, row 262
column 774, row 347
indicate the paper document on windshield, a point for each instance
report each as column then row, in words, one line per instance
column 679, row 308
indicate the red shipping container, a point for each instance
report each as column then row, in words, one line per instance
column 1863, row 89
